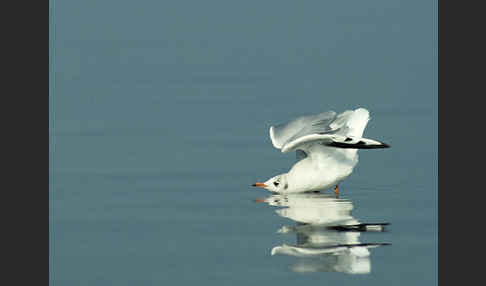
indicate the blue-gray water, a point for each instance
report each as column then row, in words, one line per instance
column 159, row 115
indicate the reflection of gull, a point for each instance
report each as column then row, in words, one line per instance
column 327, row 145
column 327, row 234
column 353, row 259
column 351, row 264
column 313, row 208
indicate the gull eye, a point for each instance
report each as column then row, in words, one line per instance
column 276, row 184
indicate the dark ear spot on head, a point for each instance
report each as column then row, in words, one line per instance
column 286, row 186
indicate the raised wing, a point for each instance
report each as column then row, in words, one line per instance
column 342, row 131
column 333, row 140
column 301, row 126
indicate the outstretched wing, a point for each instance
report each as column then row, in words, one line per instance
column 341, row 131
column 301, row 126
column 333, row 140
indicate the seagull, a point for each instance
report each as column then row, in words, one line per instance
column 326, row 146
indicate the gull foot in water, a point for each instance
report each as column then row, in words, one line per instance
column 336, row 191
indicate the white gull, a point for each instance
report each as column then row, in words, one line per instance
column 326, row 145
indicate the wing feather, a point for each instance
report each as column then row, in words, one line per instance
column 342, row 131
column 304, row 125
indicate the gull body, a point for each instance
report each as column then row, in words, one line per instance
column 326, row 145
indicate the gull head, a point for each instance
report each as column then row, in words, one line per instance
column 277, row 184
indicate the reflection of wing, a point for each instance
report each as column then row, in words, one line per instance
column 331, row 263
column 356, row 249
column 342, row 131
column 348, row 227
column 348, row 258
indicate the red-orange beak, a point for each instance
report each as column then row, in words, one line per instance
column 262, row 185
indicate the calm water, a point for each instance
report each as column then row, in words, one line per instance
column 159, row 125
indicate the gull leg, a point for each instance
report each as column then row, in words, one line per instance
column 336, row 190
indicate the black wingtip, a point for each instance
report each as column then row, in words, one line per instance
column 359, row 145
column 384, row 145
